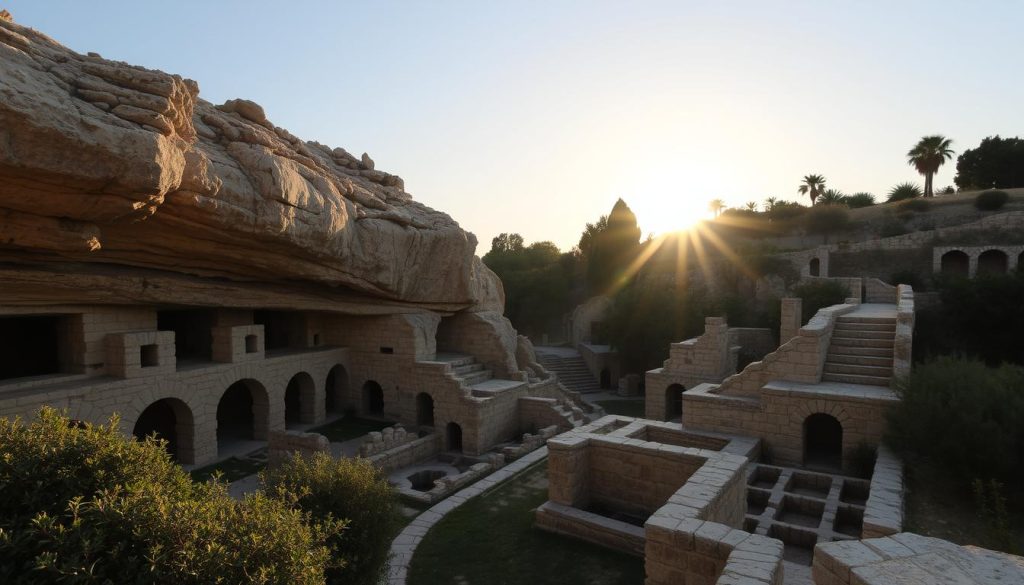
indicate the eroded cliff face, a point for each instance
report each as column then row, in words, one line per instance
column 110, row 171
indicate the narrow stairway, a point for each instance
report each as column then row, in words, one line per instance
column 476, row 376
column 572, row 372
column 861, row 351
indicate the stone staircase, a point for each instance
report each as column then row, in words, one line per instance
column 465, row 367
column 572, row 372
column 861, row 351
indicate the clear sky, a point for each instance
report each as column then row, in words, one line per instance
column 533, row 117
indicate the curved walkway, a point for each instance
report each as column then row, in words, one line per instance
column 404, row 545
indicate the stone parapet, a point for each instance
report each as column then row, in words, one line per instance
column 138, row 354
column 883, row 513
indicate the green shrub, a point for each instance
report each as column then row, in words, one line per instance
column 915, row 205
column 991, row 200
column 826, row 219
column 962, row 417
column 904, row 191
column 86, row 505
column 818, row 294
column 350, row 489
column 858, row 200
column 907, row 277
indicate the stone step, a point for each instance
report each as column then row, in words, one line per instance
column 857, row 334
column 467, row 369
column 876, row 371
column 851, row 350
column 873, row 320
column 844, row 342
column 883, row 361
column 855, row 379
column 477, row 377
column 847, row 326
column 455, row 359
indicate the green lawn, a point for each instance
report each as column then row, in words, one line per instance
column 623, row 407
column 491, row 541
column 350, row 427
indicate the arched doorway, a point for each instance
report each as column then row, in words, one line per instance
column 674, row 401
column 336, row 389
column 424, row 410
column 299, row 397
column 814, row 269
column 955, row 263
column 606, row 379
column 373, row 397
column 823, row 441
column 243, row 413
column 169, row 419
column 454, row 437
column 993, row 262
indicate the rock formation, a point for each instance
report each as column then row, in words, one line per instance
column 109, row 170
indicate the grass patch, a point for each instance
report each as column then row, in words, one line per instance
column 940, row 506
column 347, row 428
column 623, row 407
column 231, row 469
column 491, row 541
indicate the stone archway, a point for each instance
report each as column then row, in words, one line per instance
column 373, row 398
column 243, row 413
column 814, row 267
column 823, row 441
column 169, row 419
column 453, row 437
column 674, row 401
column 424, row 410
column 299, row 398
column 336, row 389
column 993, row 262
column 955, row 263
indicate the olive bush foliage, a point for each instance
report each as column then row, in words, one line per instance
column 353, row 489
column 80, row 504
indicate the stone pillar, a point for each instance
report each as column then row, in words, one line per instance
column 791, row 319
column 972, row 264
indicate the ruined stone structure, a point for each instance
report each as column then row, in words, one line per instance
column 970, row 261
column 710, row 358
column 210, row 277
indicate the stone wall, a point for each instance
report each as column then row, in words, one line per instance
column 408, row 453
column 698, row 552
column 903, row 345
column 883, row 513
column 282, row 445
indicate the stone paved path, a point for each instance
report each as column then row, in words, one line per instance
column 404, row 545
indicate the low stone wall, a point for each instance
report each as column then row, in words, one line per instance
column 449, row 484
column 529, row 442
column 385, row 440
column 590, row 527
column 694, row 551
column 903, row 346
column 408, row 453
column 911, row 558
column 282, row 445
column 883, row 513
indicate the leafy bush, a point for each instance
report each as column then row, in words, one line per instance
column 947, row 190
column 818, row 294
column 86, row 505
column 915, row 205
column 826, row 219
column 963, row 417
column 351, row 489
column 980, row 317
column 904, row 191
column 991, row 200
column 858, row 200
column 907, row 277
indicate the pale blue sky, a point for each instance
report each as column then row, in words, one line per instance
column 533, row 117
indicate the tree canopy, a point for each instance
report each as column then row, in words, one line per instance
column 997, row 163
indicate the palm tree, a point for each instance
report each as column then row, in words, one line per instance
column 813, row 185
column 831, row 197
column 770, row 202
column 904, row 191
column 927, row 156
column 716, row 206
column 751, row 206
